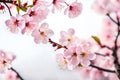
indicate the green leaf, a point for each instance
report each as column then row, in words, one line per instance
column 29, row 6
column 24, row 9
column 18, row 9
column 96, row 39
column 19, row 2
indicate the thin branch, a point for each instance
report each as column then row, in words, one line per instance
column 99, row 68
column 54, row 44
column 112, row 18
column 8, row 8
column 100, row 54
column 114, row 54
column 105, row 46
column 6, row 1
column 18, row 75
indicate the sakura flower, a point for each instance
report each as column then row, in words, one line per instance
column 73, row 10
column 67, row 38
column 11, row 75
column 38, row 13
column 60, row 58
column 29, row 25
column 108, row 34
column 42, row 34
column 100, row 6
column 5, row 60
column 85, row 53
column 97, row 75
column 15, row 23
column 106, row 6
column 57, row 4
column 72, row 57
column 41, row 3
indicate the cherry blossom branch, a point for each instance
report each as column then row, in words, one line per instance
column 54, row 44
column 105, row 46
column 18, row 75
column 111, row 18
column 8, row 8
column 6, row 1
column 117, row 65
column 99, row 68
column 100, row 54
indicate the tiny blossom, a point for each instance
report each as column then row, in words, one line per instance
column 57, row 4
column 99, row 6
column 85, row 53
column 108, row 34
column 29, row 25
column 38, row 13
column 60, row 58
column 97, row 75
column 67, row 38
column 73, row 10
column 11, row 75
column 106, row 6
column 42, row 34
column 72, row 57
column 6, row 59
column 15, row 23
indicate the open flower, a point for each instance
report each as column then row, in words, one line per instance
column 42, row 34
column 29, row 25
column 38, row 12
column 6, row 59
column 73, row 9
column 67, row 38
column 60, row 58
column 11, row 75
column 57, row 4
column 15, row 23
column 85, row 53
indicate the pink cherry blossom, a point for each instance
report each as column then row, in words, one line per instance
column 97, row 75
column 67, row 38
column 100, row 6
column 29, row 25
column 79, row 56
column 6, row 59
column 15, row 23
column 57, row 4
column 72, row 57
column 11, row 75
column 73, row 10
column 60, row 58
column 106, row 6
column 108, row 34
column 85, row 53
column 38, row 12
column 42, row 34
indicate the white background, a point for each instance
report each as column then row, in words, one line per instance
column 37, row 62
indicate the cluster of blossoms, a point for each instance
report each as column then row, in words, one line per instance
column 99, row 56
column 75, row 55
column 6, row 58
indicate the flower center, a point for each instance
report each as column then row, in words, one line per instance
column 54, row 1
column 74, row 55
column 80, row 65
column 70, row 8
column 83, row 54
column 32, row 13
column 42, row 33
column 16, row 22
column 69, row 39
